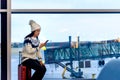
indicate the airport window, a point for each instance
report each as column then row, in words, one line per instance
column 101, row 22
column 65, row 4
column 57, row 28
column 64, row 25
column 87, row 64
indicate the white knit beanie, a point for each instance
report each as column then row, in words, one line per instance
column 34, row 25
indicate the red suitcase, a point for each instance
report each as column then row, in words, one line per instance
column 24, row 73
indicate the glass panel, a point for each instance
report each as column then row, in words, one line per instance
column 57, row 28
column 87, row 26
column 66, row 4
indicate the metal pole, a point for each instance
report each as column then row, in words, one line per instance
column 71, row 63
column 4, row 49
column 6, row 40
column 4, row 46
column 78, row 54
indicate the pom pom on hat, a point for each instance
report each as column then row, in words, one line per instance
column 34, row 25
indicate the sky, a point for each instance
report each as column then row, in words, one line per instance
column 57, row 27
column 66, row 4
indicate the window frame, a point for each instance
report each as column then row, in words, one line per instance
column 6, row 40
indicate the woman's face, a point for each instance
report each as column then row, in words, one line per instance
column 36, row 33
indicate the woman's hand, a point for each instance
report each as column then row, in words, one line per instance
column 41, row 63
column 41, row 45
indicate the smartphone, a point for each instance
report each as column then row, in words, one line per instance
column 46, row 41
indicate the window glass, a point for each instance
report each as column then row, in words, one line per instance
column 66, row 4
column 58, row 28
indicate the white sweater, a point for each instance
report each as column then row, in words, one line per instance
column 31, row 49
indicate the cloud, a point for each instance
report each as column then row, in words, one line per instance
column 57, row 27
column 64, row 30
column 42, row 37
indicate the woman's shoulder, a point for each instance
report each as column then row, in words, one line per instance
column 27, row 40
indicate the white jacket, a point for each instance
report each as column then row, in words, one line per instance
column 31, row 49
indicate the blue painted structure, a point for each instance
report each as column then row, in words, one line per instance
column 58, row 52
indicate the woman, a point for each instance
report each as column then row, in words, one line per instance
column 31, row 56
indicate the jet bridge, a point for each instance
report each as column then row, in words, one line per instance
column 58, row 52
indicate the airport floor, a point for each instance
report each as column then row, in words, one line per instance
column 66, row 79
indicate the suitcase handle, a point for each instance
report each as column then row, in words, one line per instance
column 20, row 57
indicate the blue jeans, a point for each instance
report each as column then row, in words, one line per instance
column 35, row 65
